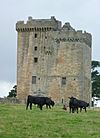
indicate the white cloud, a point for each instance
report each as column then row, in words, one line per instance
column 5, row 88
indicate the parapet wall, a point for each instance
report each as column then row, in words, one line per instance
column 44, row 25
column 38, row 24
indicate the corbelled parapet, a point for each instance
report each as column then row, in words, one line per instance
column 53, row 24
column 38, row 24
column 74, row 35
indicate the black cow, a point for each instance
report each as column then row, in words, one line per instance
column 74, row 104
column 40, row 101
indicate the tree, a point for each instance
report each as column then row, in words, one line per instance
column 13, row 92
column 95, row 77
column 95, row 64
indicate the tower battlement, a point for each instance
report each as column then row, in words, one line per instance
column 52, row 24
column 38, row 24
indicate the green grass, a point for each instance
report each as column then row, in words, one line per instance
column 17, row 122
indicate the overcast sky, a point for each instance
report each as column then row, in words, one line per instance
column 82, row 15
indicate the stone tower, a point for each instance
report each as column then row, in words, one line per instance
column 53, row 60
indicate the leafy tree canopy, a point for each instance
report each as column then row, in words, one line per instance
column 95, row 75
column 13, row 92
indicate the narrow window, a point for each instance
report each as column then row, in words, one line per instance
column 63, row 80
column 35, row 48
column 35, row 60
column 35, row 35
column 33, row 79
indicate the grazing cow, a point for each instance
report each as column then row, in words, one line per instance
column 74, row 104
column 40, row 101
column 83, row 105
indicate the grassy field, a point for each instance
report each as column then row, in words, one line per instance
column 16, row 122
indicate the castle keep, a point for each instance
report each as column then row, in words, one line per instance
column 53, row 60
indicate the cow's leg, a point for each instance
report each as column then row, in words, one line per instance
column 40, row 107
column 27, row 105
column 85, row 109
column 30, row 106
column 46, row 106
column 80, row 109
column 49, row 106
column 70, row 109
column 77, row 110
column 73, row 109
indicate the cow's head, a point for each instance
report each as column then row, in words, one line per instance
column 71, row 97
column 52, row 103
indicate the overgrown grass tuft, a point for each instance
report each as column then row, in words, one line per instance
column 17, row 122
